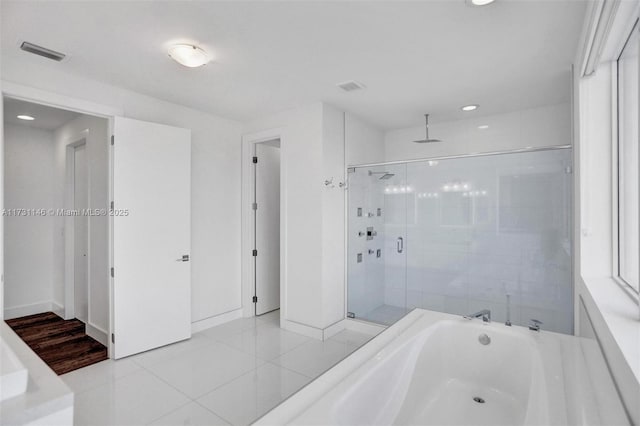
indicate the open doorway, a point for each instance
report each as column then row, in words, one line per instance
column 56, row 248
column 80, row 190
column 266, row 207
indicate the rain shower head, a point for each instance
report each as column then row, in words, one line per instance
column 385, row 175
column 426, row 139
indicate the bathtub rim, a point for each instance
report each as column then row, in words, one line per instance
column 308, row 399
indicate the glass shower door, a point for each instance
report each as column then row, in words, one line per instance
column 377, row 243
column 459, row 235
column 493, row 232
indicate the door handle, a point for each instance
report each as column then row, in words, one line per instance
column 400, row 245
column 184, row 258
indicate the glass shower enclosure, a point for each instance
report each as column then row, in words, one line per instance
column 461, row 234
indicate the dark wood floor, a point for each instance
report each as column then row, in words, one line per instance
column 63, row 345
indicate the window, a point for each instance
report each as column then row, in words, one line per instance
column 628, row 162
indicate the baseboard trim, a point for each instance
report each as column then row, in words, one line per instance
column 215, row 320
column 57, row 309
column 305, row 330
column 318, row 333
column 97, row 333
column 363, row 327
column 31, row 309
column 333, row 329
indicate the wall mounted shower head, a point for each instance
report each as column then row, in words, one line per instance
column 385, row 175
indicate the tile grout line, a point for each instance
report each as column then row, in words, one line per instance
column 167, row 383
column 292, row 370
column 170, row 412
column 209, row 343
column 211, row 411
column 105, row 383
column 266, row 360
column 195, row 400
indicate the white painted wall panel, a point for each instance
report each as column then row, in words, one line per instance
column 95, row 130
column 365, row 143
column 333, row 220
column 302, row 175
column 28, row 244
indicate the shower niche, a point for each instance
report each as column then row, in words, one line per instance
column 461, row 234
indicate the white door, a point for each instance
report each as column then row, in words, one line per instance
column 151, row 236
column 267, row 228
column 80, row 233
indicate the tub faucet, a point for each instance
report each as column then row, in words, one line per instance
column 534, row 325
column 485, row 314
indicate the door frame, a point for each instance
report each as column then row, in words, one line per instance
column 69, row 228
column 255, row 217
column 43, row 97
column 249, row 142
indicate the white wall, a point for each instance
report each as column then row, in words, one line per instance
column 2, row 207
column 301, row 192
column 215, row 175
column 28, row 243
column 96, row 133
column 333, row 220
column 313, row 150
column 364, row 143
column 538, row 127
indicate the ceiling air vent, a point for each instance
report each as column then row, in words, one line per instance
column 350, row 86
column 42, row 51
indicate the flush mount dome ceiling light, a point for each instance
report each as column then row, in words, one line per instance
column 26, row 117
column 470, row 107
column 480, row 2
column 188, row 55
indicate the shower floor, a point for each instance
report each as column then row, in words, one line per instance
column 384, row 314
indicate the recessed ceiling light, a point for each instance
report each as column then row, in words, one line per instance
column 481, row 2
column 484, row 126
column 188, row 55
column 26, row 117
column 469, row 107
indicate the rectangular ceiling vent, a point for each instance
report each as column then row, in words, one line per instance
column 350, row 86
column 42, row 51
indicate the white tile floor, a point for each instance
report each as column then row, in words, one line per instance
column 230, row 374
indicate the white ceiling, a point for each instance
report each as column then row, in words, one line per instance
column 46, row 118
column 414, row 57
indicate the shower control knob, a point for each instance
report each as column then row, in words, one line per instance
column 360, row 234
column 371, row 233
column 371, row 251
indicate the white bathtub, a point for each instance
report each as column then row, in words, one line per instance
column 13, row 375
column 433, row 378
column 32, row 394
column 431, row 369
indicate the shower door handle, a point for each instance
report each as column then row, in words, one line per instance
column 400, row 245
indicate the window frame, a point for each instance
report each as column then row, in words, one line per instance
column 616, row 167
